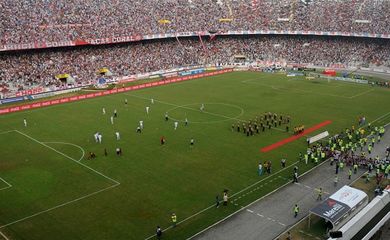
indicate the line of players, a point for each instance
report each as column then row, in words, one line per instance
column 261, row 123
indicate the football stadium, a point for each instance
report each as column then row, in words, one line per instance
column 195, row 119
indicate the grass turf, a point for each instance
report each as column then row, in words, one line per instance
column 53, row 196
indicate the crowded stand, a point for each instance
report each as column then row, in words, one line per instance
column 72, row 20
column 29, row 69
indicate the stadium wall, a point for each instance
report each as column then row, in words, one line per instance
column 109, row 92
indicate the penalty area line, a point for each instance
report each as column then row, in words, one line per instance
column 7, row 183
column 63, row 154
column 116, row 183
column 71, row 144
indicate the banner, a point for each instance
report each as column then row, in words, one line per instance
column 92, row 95
column 138, row 37
column 30, row 91
column 318, row 137
column 338, row 205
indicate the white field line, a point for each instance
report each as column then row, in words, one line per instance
column 63, row 154
column 362, row 93
column 281, row 89
column 58, row 206
column 265, row 217
column 7, row 132
column 305, row 91
column 198, row 110
column 295, row 224
column 3, row 235
column 379, row 118
column 268, row 194
column 71, row 144
column 8, row 184
column 311, row 188
column 116, row 183
column 213, row 206
column 193, row 109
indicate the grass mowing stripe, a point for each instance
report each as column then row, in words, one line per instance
column 58, row 206
column 242, row 190
column 116, row 183
column 160, row 179
column 63, row 154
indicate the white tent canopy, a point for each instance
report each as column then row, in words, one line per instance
column 341, row 206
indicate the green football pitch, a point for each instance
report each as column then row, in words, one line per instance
column 49, row 189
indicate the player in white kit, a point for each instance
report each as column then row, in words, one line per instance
column 141, row 124
column 104, row 111
column 96, row 136
column 112, row 119
column 147, row 110
column 25, row 122
column 118, row 136
column 176, row 124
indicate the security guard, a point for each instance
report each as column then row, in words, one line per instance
column 296, row 210
column 174, row 219
column 319, row 194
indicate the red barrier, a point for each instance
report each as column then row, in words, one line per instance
column 113, row 91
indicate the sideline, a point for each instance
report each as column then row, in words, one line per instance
column 242, row 190
column 306, row 216
column 268, row 194
column 116, row 183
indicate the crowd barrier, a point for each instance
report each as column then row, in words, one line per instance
column 108, row 92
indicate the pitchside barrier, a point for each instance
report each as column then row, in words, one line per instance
column 108, row 92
